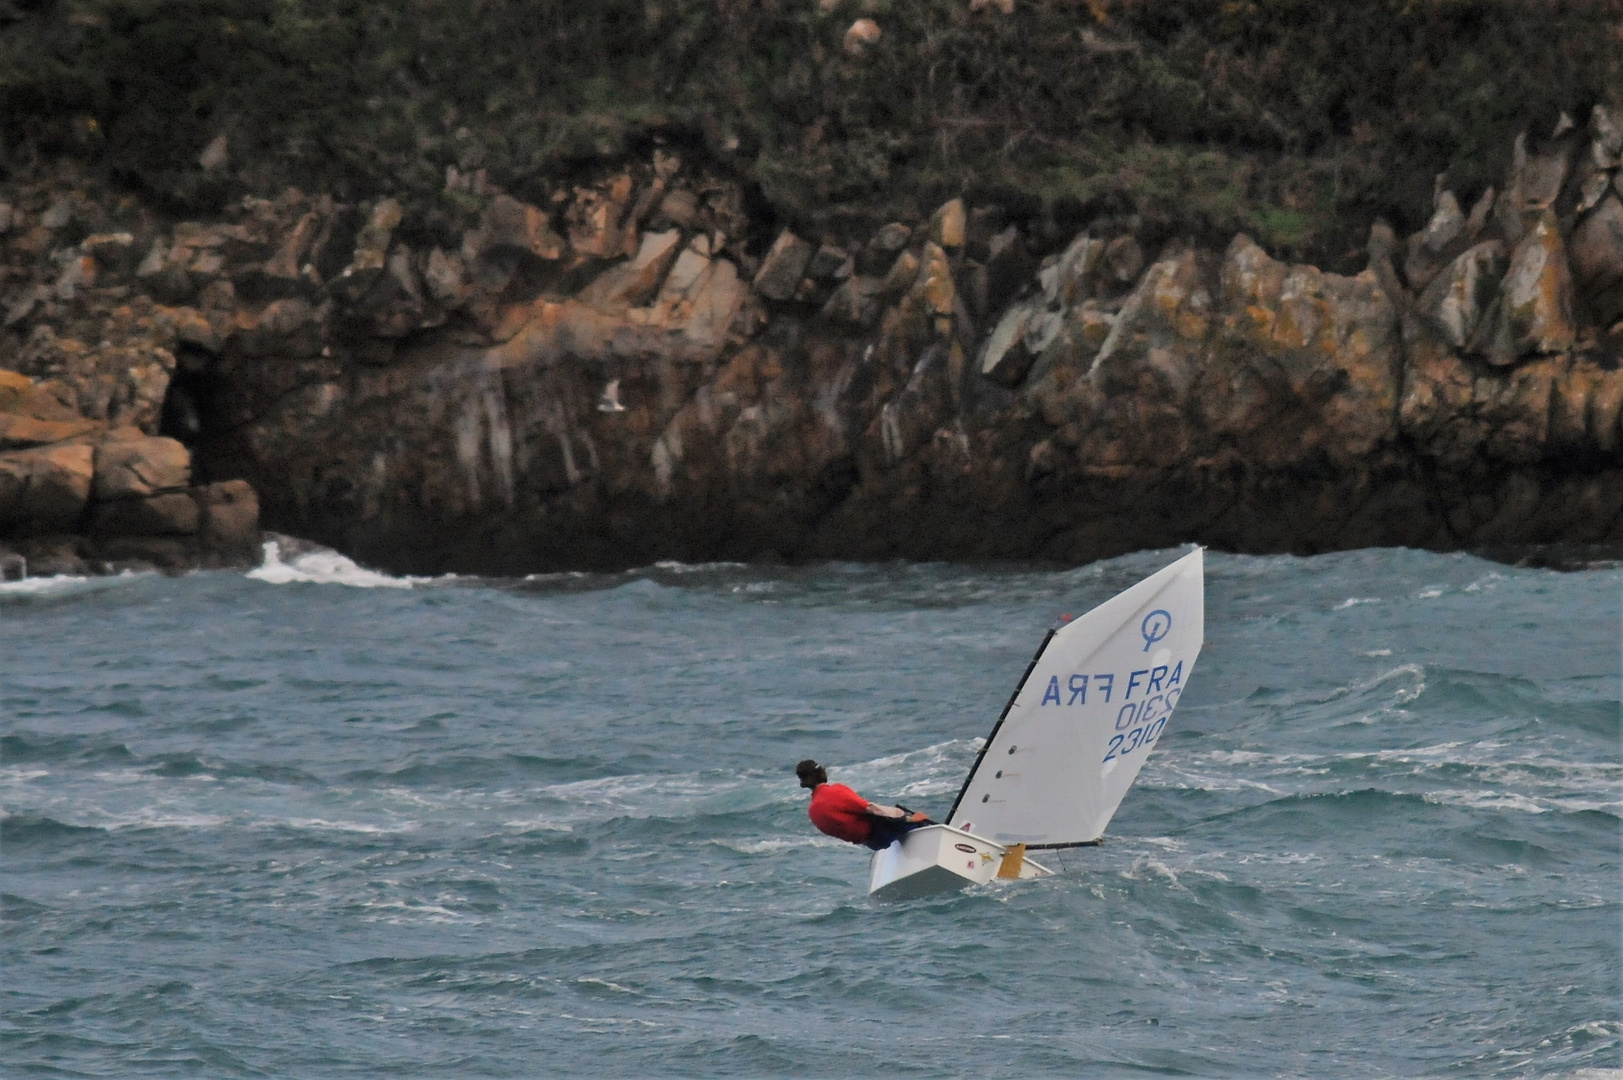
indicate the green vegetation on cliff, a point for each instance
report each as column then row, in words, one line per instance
column 1297, row 120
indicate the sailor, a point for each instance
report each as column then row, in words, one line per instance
column 842, row 813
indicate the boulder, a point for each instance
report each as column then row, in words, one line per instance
column 20, row 396
column 58, row 215
column 948, row 224
column 1479, row 215
column 1456, row 299
column 934, row 285
column 50, row 556
column 1004, row 358
column 288, row 327
column 1382, row 246
column 861, row 36
column 192, row 327
column 680, row 208
column 17, row 432
column 171, row 514
column 1008, row 266
column 78, row 272
column 785, row 264
column 1606, row 147
column 1606, row 415
column 113, row 250
column 162, row 272
column 855, row 301
column 216, row 155
column 395, row 305
column 1428, row 249
column 371, row 254
column 597, row 220
column 137, row 468
column 1066, row 279
column 707, row 310
column 1535, row 297
column 892, row 237
column 23, row 305
column 228, row 523
column 45, row 489
column 637, row 281
column 901, row 275
column 831, row 263
column 446, row 278
column 283, row 268
column 1125, row 259
column 684, row 275
column 1543, row 178
column 1597, row 261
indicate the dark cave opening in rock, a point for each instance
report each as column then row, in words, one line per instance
column 187, row 407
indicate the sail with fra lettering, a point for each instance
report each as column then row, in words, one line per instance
column 1092, row 706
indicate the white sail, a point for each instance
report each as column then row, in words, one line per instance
column 1092, row 706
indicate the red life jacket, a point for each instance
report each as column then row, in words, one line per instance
column 840, row 812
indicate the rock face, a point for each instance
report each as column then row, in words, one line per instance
column 638, row 371
column 86, row 483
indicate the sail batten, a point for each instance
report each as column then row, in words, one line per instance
column 1092, row 704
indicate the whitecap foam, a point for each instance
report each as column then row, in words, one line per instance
column 152, row 817
column 592, row 980
column 1355, row 601
column 673, row 566
column 323, row 566
column 1485, row 800
column 324, row 825
column 390, row 911
column 538, row 825
column 66, row 584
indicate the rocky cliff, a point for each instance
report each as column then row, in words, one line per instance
column 619, row 371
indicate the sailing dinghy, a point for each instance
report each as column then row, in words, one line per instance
column 1071, row 740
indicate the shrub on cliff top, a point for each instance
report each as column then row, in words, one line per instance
column 1296, row 119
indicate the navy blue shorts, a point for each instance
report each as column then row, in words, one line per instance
column 887, row 831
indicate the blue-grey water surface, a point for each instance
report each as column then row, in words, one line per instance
column 316, row 822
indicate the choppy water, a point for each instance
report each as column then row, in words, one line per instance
column 287, row 825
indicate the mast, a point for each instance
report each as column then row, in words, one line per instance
column 987, row 745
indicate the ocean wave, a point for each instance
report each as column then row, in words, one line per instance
column 27, row 746
column 315, row 565
column 673, row 566
column 367, row 828
column 66, row 586
column 26, row 830
column 1486, row 800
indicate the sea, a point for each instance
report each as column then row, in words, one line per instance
column 316, row 821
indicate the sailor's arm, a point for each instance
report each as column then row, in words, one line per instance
column 876, row 810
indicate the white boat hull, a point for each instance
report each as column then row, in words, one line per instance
column 938, row 859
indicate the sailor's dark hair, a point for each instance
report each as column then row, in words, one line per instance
column 811, row 774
